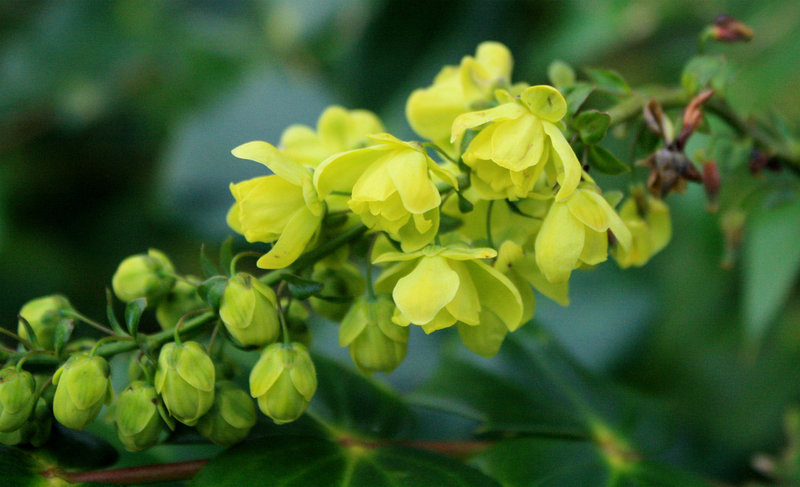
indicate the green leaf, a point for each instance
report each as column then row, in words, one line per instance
column 558, row 462
column 703, row 72
column 576, row 95
column 18, row 467
column 609, row 81
column 591, row 126
column 61, row 334
column 606, row 162
column 77, row 450
column 291, row 461
column 226, row 253
column 209, row 269
column 464, row 205
column 302, row 288
column 771, row 264
column 449, row 223
column 111, row 315
column 133, row 313
column 30, row 333
column 211, row 290
column 560, row 74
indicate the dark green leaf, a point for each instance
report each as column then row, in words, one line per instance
column 609, row 81
column 211, row 290
column 560, row 74
column 703, row 72
column 576, row 95
column 29, row 331
column 209, row 269
column 591, row 126
column 464, row 205
column 226, row 253
column 771, row 264
column 17, row 467
column 302, row 288
column 449, row 223
column 334, row 299
column 111, row 315
column 61, row 334
column 78, row 449
column 133, row 313
column 606, row 162
column 291, row 461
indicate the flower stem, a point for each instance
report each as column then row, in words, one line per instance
column 90, row 322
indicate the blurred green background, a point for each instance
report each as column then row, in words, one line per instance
column 117, row 119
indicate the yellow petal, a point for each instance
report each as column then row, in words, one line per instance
column 292, row 242
column 570, row 168
column 506, row 111
column 387, row 280
column 411, row 238
column 517, row 144
column 265, row 205
column 426, row 290
column 559, row 243
column 408, row 171
column 660, row 224
column 302, row 144
column 545, row 102
column 496, row 59
column 462, row 252
column 341, row 171
column 591, row 209
column 442, row 320
column 375, row 183
column 271, row 157
column 431, row 111
column 497, row 293
column 595, row 247
column 465, row 306
column 527, row 269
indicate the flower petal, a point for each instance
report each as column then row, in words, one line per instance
column 408, row 171
column 292, row 242
column 567, row 164
column 265, row 153
column 341, row 171
column 497, row 293
column 545, row 102
column 465, row 306
column 506, row 111
column 426, row 290
column 559, row 243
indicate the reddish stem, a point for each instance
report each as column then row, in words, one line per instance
column 143, row 474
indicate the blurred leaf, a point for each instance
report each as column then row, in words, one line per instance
column 211, row 290
column 577, row 94
column 303, row 461
column 606, row 162
column 609, row 81
column 771, row 263
column 111, row 315
column 78, row 450
column 209, row 269
column 133, row 313
column 591, row 126
column 302, row 288
column 226, row 254
column 560, row 74
column 17, row 467
column 703, row 72
column 61, row 334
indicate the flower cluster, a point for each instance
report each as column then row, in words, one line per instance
column 464, row 225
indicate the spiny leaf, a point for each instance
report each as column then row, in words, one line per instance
column 133, row 313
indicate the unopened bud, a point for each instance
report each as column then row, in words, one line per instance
column 375, row 342
column 249, row 310
column 35, row 431
column 43, row 314
column 147, row 276
column 728, row 29
column 185, row 380
column 340, row 280
column 136, row 415
column 284, row 381
column 17, row 398
column 82, row 387
column 230, row 418
column 181, row 300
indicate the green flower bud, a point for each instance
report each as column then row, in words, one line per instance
column 340, row 279
column 35, row 431
column 43, row 315
column 17, row 398
column 284, row 381
column 185, row 380
column 144, row 276
column 375, row 342
column 82, row 387
column 182, row 299
column 230, row 418
column 136, row 416
column 249, row 311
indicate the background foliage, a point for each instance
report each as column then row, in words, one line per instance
column 116, row 123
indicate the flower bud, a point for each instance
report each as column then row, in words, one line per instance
column 284, row 381
column 375, row 342
column 230, row 418
column 182, row 299
column 17, row 398
column 82, row 387
column 144, row 276
column 340, row 279
column 249, row 311
column 185, row 380
column 35, row 431
column 43, row 315
column 136, row 416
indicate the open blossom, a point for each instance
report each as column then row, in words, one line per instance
column 519, row 142
column 651, row 230
column 438, row 286
column 457, row 89
column 575, row 231
column 391, row 188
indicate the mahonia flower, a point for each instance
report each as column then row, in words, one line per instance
column 374, row 341
column 438, row 286
column 82, row 387
column 457, row 89
column 17, row 398
column 390, row 186
column 136, row 415
column 283, row 381
column 249, row 311
column 519, row 142
column 231, row 417
column 185, row 380
column 338, row 130
column 649, row 222
column 43, row 315
column 574, row 232
column 282, row 208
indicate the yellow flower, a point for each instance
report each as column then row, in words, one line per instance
column 575, row 231
column 338, row 130
column 438, row 286
column 390, row 186
column 519, row 142
column 283, row 208
column 457, row 89
column 649, row 222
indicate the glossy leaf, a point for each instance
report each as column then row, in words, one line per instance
column 226, row 253
column 560, row 74
column 133, row 313
column 591, row 126
column 703, row 72
column 606, row 162
column 209, row 269
column 302, row 288
column 211, row 290
column 295, row 461
column 609, row 80
column 111, row 316
column 576, row 95
column 17, row 468
column 61, row 334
